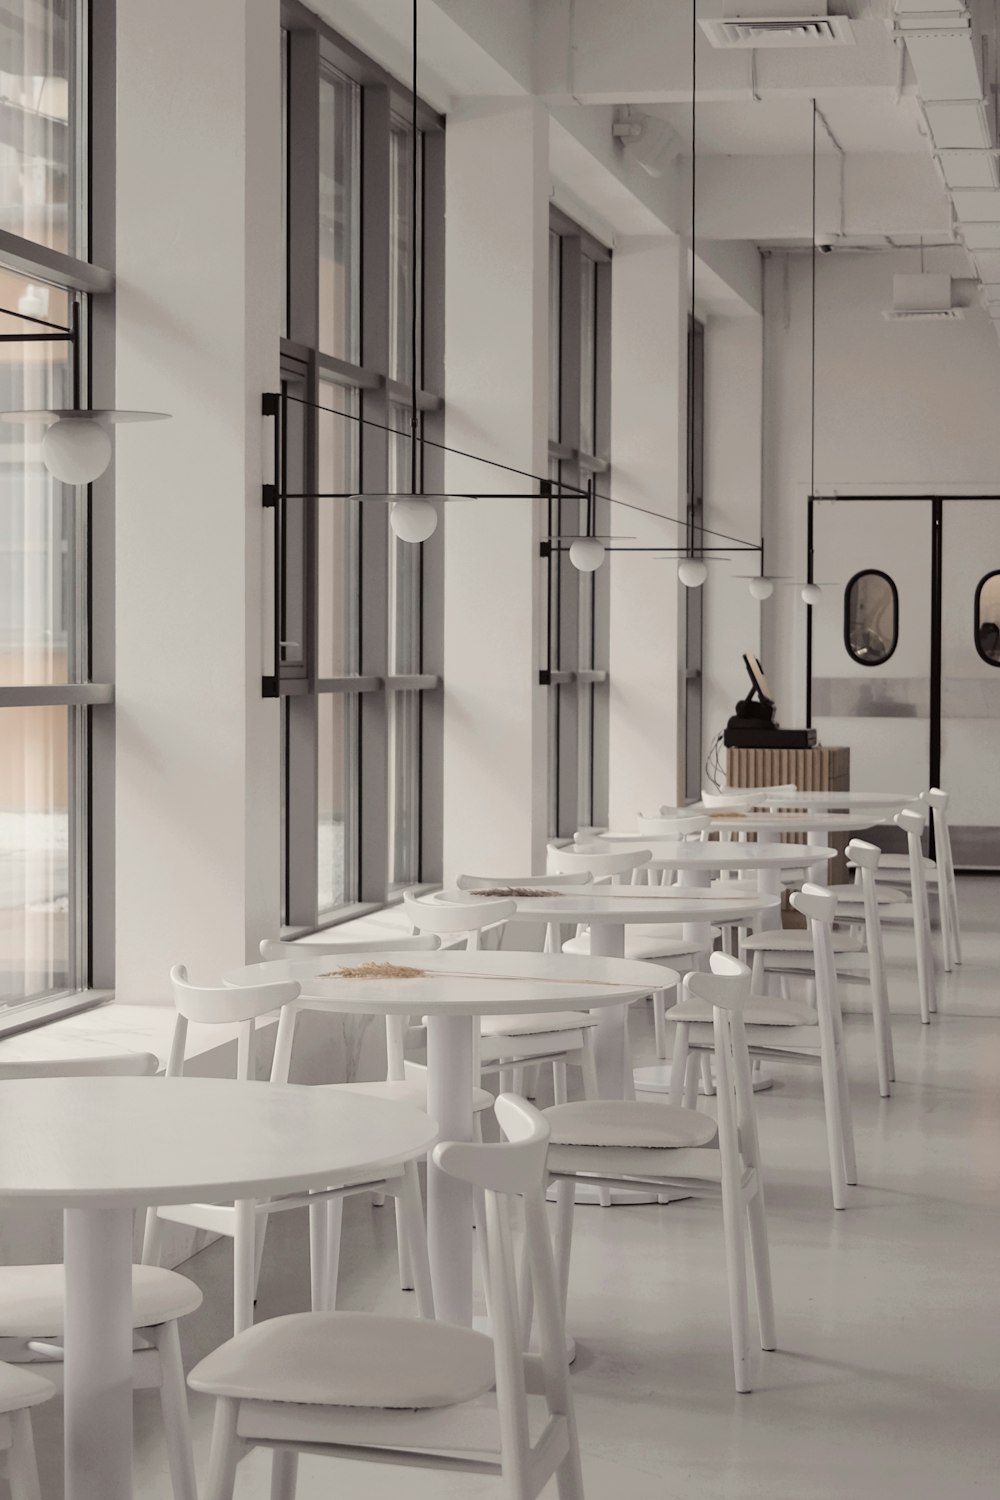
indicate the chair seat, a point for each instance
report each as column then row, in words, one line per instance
column 850, row 893
column 21, row 1387
column 688, row 1164
column 796, row 940
column 412, row 1091
column 33, row 1299
column 648, row 944
column 626, row 1122
column 350, row 1359
column 783, row 1036
column 760, row 1010
column 901, row 862
column 537, row 1024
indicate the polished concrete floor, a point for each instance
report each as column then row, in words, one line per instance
column 887, row 1378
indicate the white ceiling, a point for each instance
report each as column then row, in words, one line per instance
column 783, row 127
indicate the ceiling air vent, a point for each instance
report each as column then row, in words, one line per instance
column 779, row 31
column 925, row 298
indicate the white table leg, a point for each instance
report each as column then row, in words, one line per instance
column 819, row 873
column 697, row 932
column 769, row 884
column 611, row 1053
column 97, row 1247
column 450, row 1050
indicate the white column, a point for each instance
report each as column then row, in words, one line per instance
column 648, row 467
column 496, row 382
column 198, row 325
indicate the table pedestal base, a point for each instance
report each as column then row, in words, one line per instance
column 656, row 1080
column 450, row 1051
column 587, row 1196
column 98, row 1361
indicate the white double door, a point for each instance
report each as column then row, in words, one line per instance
column 926, row 711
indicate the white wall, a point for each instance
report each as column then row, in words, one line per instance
column 198, row 302
column 905, row 408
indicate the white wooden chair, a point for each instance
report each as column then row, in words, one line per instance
column 20, row 1390
column 938, row 874
column 245, row 1222
column 611, row 1141
column 857, row 959
column 405, row 1082
column 33, row 1319
column 509, row 1044
column 411, row 1392
column 915, row 913
column 789, row 1031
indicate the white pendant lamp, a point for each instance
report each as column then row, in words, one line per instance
column 692, row 573
column 413, row 519
column 587, row 554
column 76, row 446
column 811, row 594
column 761, row 588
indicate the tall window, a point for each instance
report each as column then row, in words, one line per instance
column 359, row 659
column 579, row 442
column 46, row 642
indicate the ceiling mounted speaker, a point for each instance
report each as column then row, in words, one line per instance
column 648, row 141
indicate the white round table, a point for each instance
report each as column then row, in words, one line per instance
column 769, row 827
column 608, row 910
column 459, row 988
column 103, row 1147
column 851, row 802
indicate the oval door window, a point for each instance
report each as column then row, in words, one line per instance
column 871, row 618
column 988, row 619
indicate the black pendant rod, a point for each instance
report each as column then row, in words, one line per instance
column 812, row 353
column 690, row 332
column 413, row 270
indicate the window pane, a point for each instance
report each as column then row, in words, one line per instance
column 35, row 853
column 337, row 536
column 988, row 619
column 339, row 216
column 870, row 618
column 588, row 341
column 336, row 799
column 400, row 253
column 37, row 513
column 404, row 787
column 555, row 326
column 39, row 191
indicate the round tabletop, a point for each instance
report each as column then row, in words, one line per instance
column 803, row 821
column 79, row 1141
column 455, row 982
column 718, row 854
column 844, row 801
column 619, row 905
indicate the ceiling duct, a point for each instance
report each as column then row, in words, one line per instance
column 923, row 298
column 810, row 27
column 946, row 48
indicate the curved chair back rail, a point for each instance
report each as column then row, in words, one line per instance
column 601, row 866
column 272, row 949
column 556, row 882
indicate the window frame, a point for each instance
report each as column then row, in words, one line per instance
column 578, row 609
column 88, row 693
column 848, row 587
column 384, row 103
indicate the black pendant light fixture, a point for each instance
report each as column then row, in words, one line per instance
column 811, row 592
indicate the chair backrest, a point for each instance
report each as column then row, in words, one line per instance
column 727, row 989
column 515, row 1169
column 937, row 800
column 734, row 801
column 273, row 949
column 226, row 1005
column 601, row 866
column 515, row 882
column 456, row 914
column 683, row 826
column 120, row 1065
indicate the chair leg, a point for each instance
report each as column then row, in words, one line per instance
column 403, row 1250
column 924, row 978
column 559, row 1092
column 151, row 1239
column 225, row 1453
column 588, row 1066
column 22, row 1469
column 569, row 1475
column 331, row 1261
column 691, row 1075
column 532, row 1075
column 284, row 1473
column 244, row 1264
column 176, row 1419
column 659, row 999
column 880, row 1023
column 736, row 1272
column 761, row 1256
column 834, row 1128
column 416, row 1238
column 317, row 1254
column 563, row 1239
column 758, row 975
column 707, row 1081
column 678, row 1068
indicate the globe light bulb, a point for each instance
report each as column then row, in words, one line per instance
column 413, row 520
column 692, row 573
column 761, row 588
column 586, row 554
column 811, row 594
column 76, row 450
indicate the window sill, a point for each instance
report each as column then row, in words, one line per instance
column 100, row 1025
